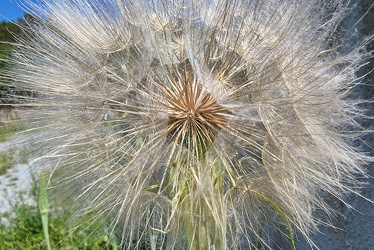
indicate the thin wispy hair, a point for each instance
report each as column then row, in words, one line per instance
column 192, row 124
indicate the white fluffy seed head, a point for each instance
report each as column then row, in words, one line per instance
column 173, row 119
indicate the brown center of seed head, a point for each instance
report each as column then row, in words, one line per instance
column 194, row 114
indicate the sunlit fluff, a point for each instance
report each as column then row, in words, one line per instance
column 191, row 124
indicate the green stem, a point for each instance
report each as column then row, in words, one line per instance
column 197, row 216
column 44, row 209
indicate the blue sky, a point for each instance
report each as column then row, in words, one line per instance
column 9, row 10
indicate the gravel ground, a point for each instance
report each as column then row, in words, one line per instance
column 16, row 180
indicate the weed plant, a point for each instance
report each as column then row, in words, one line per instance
column 189, row 124
column 21, row 229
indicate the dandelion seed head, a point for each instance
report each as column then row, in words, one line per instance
column 188, row 124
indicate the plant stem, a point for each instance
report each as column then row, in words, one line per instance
column 44, row 209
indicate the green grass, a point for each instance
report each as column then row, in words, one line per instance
column 9, row 130
column 5, row 132
column 22, row 229
column 10, row 157
column 6, row 157
column 6, row 161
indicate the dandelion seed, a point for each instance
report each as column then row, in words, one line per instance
column 191, row 124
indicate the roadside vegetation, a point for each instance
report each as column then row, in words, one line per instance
column 21, row 227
